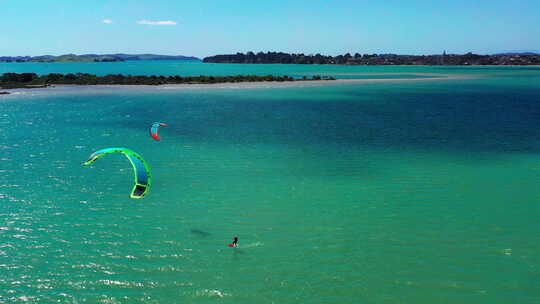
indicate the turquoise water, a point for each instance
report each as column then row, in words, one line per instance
column 196, row 68
column 419, row 191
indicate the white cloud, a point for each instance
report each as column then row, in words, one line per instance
column 148, row 22
column 108, row 21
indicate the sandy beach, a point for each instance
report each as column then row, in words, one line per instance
column 84, row 89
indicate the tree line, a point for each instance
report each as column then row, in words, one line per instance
column 17, row 80
column 377, row 59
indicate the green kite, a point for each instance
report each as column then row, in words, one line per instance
column 142, row 170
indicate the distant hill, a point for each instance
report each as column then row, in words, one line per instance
column 151, row 57
column 93, row 58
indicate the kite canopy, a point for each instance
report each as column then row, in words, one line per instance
column 142, row 170
column 154, row 130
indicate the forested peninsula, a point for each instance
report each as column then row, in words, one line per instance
column 379, row 59
column 33, row 80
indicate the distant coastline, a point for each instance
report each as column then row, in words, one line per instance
column 94, row 58
column 32, row 80
column 468, row 59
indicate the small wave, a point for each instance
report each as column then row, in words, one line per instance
column 121, row 283
column 256, row 244
column 212, row 293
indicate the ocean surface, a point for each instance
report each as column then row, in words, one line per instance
column 392, row 191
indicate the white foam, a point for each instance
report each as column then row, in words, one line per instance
column 256, row 244
column 212, row 293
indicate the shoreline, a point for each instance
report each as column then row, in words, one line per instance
column 71, row 88
column 389, row 65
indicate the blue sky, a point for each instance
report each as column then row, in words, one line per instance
column 208, row 27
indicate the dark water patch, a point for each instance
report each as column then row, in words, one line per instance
column 200, row 233
column 462, row 119
column 472, row 117
column 468, row 118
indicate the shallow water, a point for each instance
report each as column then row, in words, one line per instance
column 389, row 192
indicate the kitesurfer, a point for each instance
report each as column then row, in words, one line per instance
column 235, row 241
